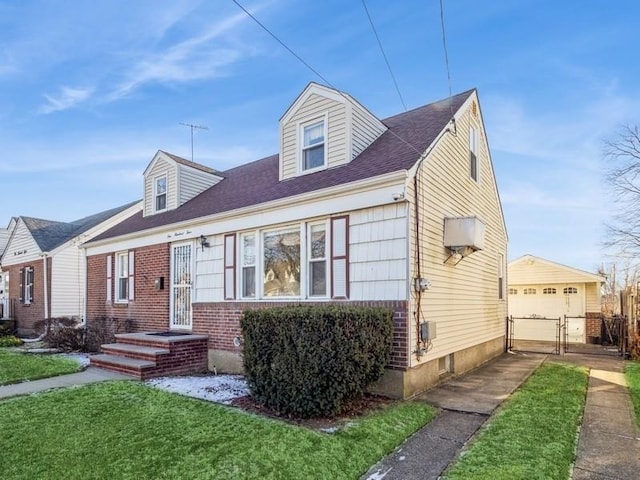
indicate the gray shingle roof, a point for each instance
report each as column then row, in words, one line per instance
column 258, row 182
column 50, row 234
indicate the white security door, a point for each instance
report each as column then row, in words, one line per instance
column 181, row 285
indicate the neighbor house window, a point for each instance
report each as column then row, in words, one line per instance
column 122, row 277
column 473, row 153
column 313, row 145
column 160, row 194
column 317, row 255
column 513, row 291
column 529, row 291
column 248, row 265
column 281, row 263
column 26, row 285
column 548, row 291
column 500, row 276
column 569, row 290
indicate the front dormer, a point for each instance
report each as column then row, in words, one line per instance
column 324, row 128
column 170, row 181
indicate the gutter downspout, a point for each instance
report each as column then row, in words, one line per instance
column 45, row 289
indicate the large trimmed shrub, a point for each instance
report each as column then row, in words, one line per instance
column 307, row 361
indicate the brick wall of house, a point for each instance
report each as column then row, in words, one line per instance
column 593, row 326
column 149, row 310
column 26, row 315
column 221, row 321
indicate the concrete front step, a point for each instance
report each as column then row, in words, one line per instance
column 126, row 365
column 129, row 350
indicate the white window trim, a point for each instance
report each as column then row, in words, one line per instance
column 326, row 259
column 303, row 228
column 240, row 264
column 473, row 148
column 124, row 254
column 300, row 143
column 155, row 193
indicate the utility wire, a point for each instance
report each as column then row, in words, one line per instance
column 327, row 82
column 386, row 60
column 446, row 56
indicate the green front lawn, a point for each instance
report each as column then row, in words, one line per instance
column 632, row 373
column 127, row 430
column 18, row 367
column 534, row 435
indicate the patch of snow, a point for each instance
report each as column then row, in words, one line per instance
column 378, row 475
column 214, row 388
column 330, row 430
column 81, row 358
column 402, row 458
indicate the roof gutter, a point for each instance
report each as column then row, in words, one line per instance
column 353, row 187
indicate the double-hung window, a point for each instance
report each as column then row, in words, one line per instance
column 248, row 265
column 122, row 277
column 26, row 285
column 473, row 154
column 313, row 146
column 317, row 256
column 160, row 193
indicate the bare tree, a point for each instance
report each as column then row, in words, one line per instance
column 622, row 155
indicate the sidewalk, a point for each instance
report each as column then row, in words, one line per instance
column 90, row 375
column 466, row 404
column 609, row 443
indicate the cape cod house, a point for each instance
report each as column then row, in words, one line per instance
column 46, row 267
column 402, row 212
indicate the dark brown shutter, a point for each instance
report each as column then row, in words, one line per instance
column 230, row 267
column 22, row 280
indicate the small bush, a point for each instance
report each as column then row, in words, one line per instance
column 10, row 341
column 101, row 330
column 634, row 346
column 7, row 328
column 70, row 335
column 308, row 361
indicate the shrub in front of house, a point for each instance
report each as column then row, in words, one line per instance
column 69, row 335
column 9, row 341
column 308, row 361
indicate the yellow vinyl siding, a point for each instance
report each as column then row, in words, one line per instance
column 463, row 299
column 593, row 297
column 366, row 128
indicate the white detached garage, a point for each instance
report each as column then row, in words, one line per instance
column 540, row 288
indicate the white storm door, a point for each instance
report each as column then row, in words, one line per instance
column 181, row 285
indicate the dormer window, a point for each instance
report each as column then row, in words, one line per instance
column 160, row 193
column 313, row 145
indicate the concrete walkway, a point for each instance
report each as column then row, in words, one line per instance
column 90, row 375
column 609, row 443
column 466, row 404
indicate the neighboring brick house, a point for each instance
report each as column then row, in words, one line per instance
column 46, row 265
column 402, row 212
column 542, row 288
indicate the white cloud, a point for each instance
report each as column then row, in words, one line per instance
column 67, row 98
column 196, row 58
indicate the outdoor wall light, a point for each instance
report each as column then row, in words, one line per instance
column 203, row 242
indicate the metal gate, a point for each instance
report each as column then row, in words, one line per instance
column 535, row 334
column 181, row 285
column 614, row 337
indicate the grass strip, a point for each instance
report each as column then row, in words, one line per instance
column 127, row 430
column 632, row 372
column 534, row 435
column 18, row 367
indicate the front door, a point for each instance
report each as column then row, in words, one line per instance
column 181, row 285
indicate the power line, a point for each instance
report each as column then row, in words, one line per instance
column 446, row 55
column 327, row 82
column 385, row 55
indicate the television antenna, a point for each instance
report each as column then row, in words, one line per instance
column 192, row 127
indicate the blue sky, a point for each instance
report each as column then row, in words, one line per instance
column 89, row 91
